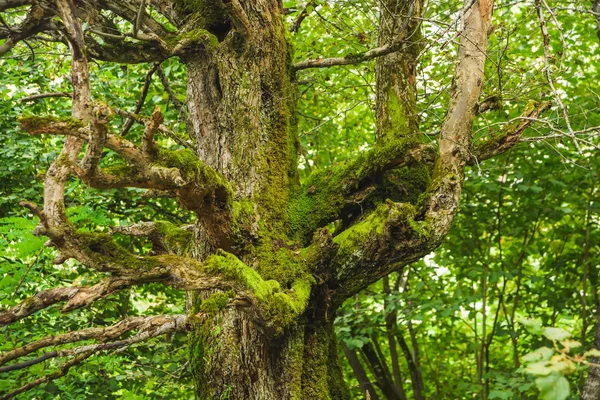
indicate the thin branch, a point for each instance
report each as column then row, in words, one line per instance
column 350, row 59
column 44, row 95
column 172, row 97
column 548, row 74
column 156, row 326
column 511, row 134
column 138, row 20
column 140, row 102
column 102, row 335
column 302, row 15
column 64, row 369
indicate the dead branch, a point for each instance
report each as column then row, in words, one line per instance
column 511, row 134
column 302, row 15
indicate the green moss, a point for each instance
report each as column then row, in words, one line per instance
column 281, row 264
column 59, row 125
column 104, row 250
column 280, row 308
column 360, row 233
column 120, row 170
column 212, row 15
column 194, row 170
column 326, row 193
column 194, row 36
column 233, row 269
column 216, row 302
column 175, row 239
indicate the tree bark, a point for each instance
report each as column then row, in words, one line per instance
column 241, row 99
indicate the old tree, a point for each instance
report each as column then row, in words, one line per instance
column 265, row 257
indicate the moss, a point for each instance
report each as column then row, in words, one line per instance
column 104, row 250
column 216, row 302
column 193, row 170
column 279, row 308
column 322, row 377
column 120, row 170
column 194, row 36
column 281, row 264
column 212, row 15
column 408, row 183
column 49, row 124
column 175, row 239
column 232, row 268
column 326, row 193
column 360, row 233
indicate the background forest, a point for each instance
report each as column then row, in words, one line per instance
column 523, row 252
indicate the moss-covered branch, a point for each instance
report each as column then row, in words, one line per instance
column 511, row 133
column 197, row 186
column 398, row 169
column 395, row 234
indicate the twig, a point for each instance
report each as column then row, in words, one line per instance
column 45, row 95
column 140, row 103
column 26, row 272
column 172, row 97
column 548, row 74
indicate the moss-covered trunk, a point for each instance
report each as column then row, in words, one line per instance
column 240, row 102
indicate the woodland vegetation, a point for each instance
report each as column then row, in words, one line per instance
column 299, row 199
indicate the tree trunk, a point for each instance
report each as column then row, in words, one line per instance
column 240, row 101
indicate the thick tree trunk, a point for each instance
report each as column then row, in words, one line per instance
column 240, row 100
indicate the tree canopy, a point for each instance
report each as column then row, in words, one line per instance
column 181, row 176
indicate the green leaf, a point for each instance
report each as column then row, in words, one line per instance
column 541, row 354
column 592, row 353
column 501, row 394
column 553, row 387
column 533, row 326
column 538, row 368
column 556, row 333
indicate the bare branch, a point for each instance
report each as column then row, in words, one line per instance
column 350, row 59
column 74, row 296
column 548, row 74
column 302, row 15
column 103, row 334
column 64, row 369
column 154, row 326
column 37, row 20
column 148, row 136
column 43, row 96
column 140, row 102
column 38, row 302
column 172, row 97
